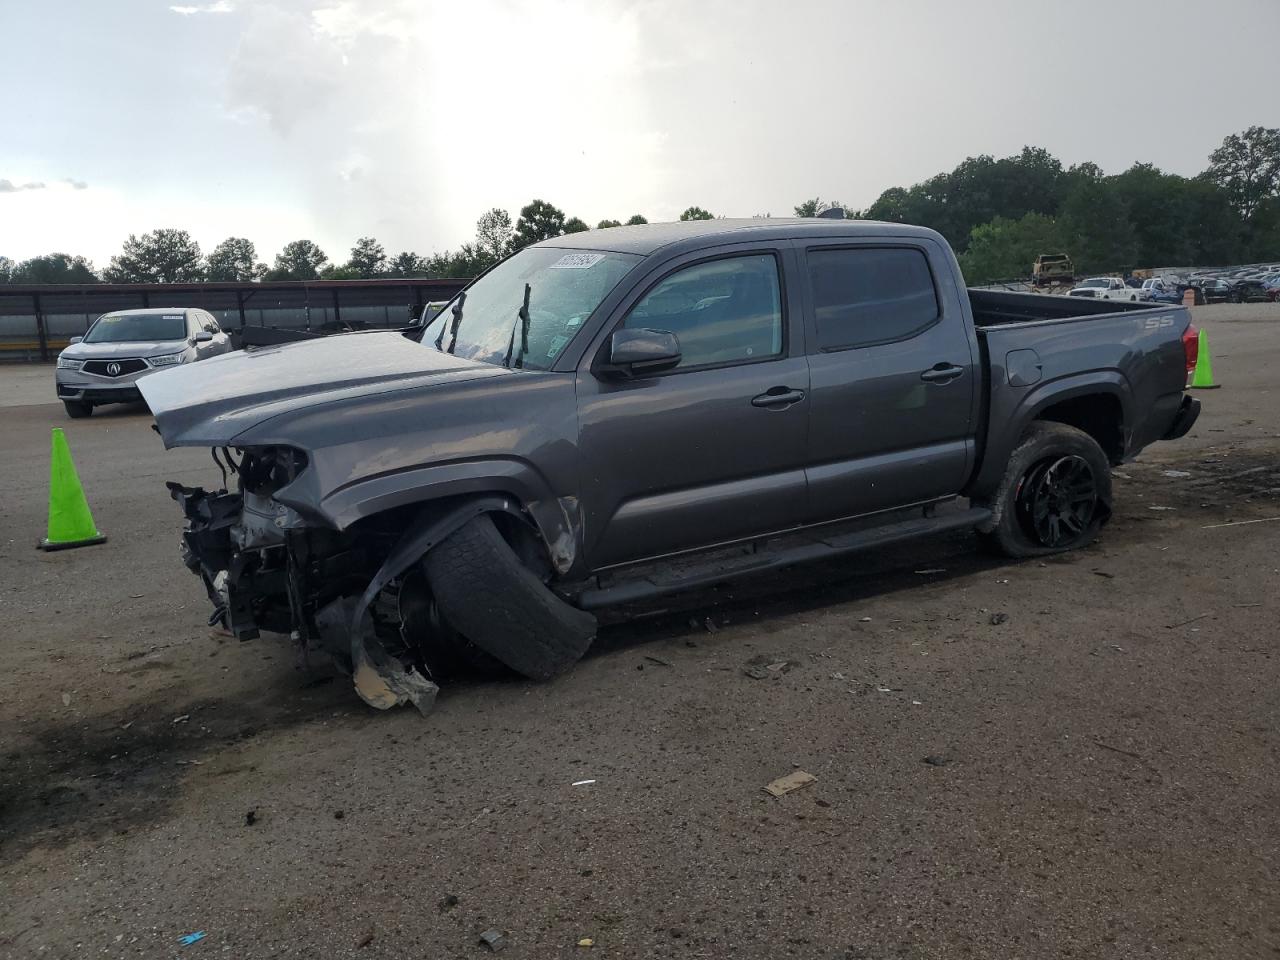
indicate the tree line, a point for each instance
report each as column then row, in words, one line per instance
column 999, row 215
column 169, row 255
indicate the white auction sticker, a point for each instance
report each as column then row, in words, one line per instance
column 577, row 261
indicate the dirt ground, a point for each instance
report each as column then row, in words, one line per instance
column 1102, row 780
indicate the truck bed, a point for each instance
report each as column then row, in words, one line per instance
column 993, row 308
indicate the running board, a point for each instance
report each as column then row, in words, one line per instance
column 789, row 552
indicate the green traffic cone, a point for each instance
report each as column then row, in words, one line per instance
column 1202, row 378
column 70, row 522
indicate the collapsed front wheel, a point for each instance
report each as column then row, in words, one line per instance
column 497, row 602
column 1055, row 494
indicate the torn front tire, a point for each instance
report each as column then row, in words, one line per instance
column 501, row 606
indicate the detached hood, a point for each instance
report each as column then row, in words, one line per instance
column 211, row 402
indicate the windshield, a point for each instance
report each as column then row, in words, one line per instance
column 129, row 327
column 564, row 286
column 1096, row 283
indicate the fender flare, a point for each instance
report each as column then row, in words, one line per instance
column 511, row 481
column 995, row 458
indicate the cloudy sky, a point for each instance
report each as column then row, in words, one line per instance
column 407, row 119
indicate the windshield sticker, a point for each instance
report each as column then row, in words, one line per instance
column 577, row 261
column 173, row 316
column 557, row 344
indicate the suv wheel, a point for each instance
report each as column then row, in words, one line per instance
column 1055, row 494
column 78, row 409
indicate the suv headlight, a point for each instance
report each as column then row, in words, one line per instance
column 168, row 359
column 66, row 363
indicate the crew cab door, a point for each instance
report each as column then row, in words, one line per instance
column 893, row 374
column 713, row 450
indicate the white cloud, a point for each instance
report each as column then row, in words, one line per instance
column 407, row 120
column 220, row 6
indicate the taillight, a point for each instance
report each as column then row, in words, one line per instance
column 1191, row 347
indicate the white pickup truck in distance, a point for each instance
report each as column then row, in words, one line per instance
column 1106, row 288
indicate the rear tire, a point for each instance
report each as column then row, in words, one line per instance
column 501, row 606
column 1055, row 494
column 78, row 409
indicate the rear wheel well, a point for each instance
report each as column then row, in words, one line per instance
column 1097, row 414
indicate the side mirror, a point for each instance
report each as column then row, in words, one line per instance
column 75, row 339
column 641, row 351
column 203, row 336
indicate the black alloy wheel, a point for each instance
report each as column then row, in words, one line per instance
column 1057, row 500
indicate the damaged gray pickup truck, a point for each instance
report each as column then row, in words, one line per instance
column 627, row 412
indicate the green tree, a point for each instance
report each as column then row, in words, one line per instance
column 606, row 224
column 161, row 256
column 1247, row 166
column 341, row 271
column 1005, row 249
column 1096, row 229
column 299, row 260
column 696, row 213
column 6, row 270
column 539, row 220
column 368, row 260
column 407, row 264
column 234, row 259
column 811, row 208
column 636, row 220
column 493, row 234
column 575, row 225
column 52, row 268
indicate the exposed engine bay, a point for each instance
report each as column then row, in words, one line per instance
column 265, row 567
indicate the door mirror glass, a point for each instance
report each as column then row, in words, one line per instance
column 643, row 351
column 203, row 336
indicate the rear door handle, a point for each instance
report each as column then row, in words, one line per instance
column 942, row 373
column 778, row 397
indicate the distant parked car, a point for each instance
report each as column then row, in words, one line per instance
column 104, row 365
column 1213, row 289
column 1052, row 268
column 1168, row 293
column 1248, row 291
column 1104, row 288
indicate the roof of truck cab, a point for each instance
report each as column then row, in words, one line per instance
column 174, row 311
column 647, row 238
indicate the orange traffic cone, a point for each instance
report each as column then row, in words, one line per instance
column 70, row 522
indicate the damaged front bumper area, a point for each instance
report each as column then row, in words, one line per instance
column 266, row 567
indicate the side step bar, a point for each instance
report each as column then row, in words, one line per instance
column 803, row 550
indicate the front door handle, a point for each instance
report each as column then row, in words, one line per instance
column 778, row 397
column 941, row 373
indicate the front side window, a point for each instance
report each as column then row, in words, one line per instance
column 723, row 311
column 870, row 295
column 490, row 323
column 135, row 327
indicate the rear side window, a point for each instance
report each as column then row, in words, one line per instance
column 723, row 311
column 870, row 295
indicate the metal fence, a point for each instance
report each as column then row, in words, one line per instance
column 38, row 321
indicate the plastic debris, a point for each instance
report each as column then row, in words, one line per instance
column 586, row 942
column 191, row 938
column 583, row 783
column 495, row 940
column 182, row 719
column 792, row 781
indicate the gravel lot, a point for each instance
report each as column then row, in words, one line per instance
column 1103, row 778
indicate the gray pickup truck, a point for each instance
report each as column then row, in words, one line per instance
column 627, row 412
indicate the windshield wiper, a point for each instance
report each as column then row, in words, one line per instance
column 522, row 316
column 453, row 327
